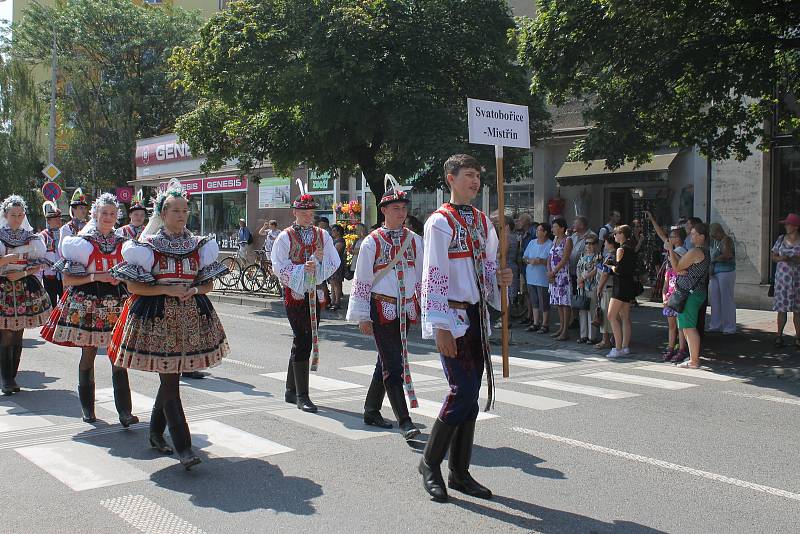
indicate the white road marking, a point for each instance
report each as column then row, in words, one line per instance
column 640, row 380
column 525, row 400
column 317, row 382
column 338, row 423
column 222, row 440
column 241, row 363
column 428, row 408
column 82, row 466
column 565, row 355
column 369, row 369
column 433, row 364
column 104, row 398
column 662, row 464
column 225, row 389
column 694, row 373
column 15, row 417
column 148, row 517
column 524, row 362
column 771, row 398
column 581, row 389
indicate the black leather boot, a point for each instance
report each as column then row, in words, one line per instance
column 301, row 386
column 372, row 405
column 122, row 396
column 197, row 375
column 290, row 395
column 17, row 359
column 397, row 398
column 158, row 423
column 430, row 465
column 179, row 430
column 460, row 456
column 86, row 394
column 7, row 370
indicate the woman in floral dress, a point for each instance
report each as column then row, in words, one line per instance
column 786, row 254
column 91, row 305
column 558, row 276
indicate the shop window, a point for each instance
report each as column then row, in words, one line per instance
column 221, row 214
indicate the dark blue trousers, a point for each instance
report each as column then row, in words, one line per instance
column 389, row 367
column 464, row 374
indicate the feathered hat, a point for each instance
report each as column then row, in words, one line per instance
column 393, row 192
column 78, row 199
column 304, row 201
column 50, row 210
column 137, row 202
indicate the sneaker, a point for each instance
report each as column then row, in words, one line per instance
column 625, row 351
column 614, row 354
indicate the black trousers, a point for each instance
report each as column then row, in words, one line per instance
column 389, row 367
column 300, row 321
column 54, row 287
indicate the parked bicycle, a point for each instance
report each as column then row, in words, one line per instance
column 260, row 277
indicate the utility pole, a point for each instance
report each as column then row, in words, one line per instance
column 51, row 152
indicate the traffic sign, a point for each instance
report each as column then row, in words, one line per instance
column 51, row 191
column 51, row 172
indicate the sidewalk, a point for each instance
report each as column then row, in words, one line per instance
column 749, row 352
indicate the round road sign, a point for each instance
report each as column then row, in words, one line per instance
column 51, row 191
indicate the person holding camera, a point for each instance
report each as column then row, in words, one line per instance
column 623, row 292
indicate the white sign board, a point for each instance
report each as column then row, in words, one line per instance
column 497, row 123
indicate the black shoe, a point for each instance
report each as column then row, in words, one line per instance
column 86, row 394
column 179, row 431
column 122, row 396
column 460, row 456
column 397, row 398
column 372, row 405
column 7, row 370
column 197, row 375
column 301, row 386
column 158, row 442
column 158, row 423
column 290, row 396
column 430, row 465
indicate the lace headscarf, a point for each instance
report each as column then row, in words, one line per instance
column 174, row 190
column 12, row 201
column 106, row 199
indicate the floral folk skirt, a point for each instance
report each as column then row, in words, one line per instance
column 164, row 335
column 86, row 315
column 23, row 304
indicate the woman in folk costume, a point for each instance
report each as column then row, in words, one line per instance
column 384, row 300
column 23, row 301
column 92, row 303
column 78, row 210
column 303, row 256
column 169, row 325
column 460, row 281
column 51, row 236
column 137, row 214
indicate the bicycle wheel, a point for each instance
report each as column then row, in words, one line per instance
column 234, row 272
column 273, row 285
column 253, row 278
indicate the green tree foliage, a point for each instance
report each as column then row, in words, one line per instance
column 374, row 85
column 652, row 73
column 112, row 56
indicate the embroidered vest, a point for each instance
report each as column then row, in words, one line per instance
column 50, row 238
column 385, row 252
column 171, row 269
column 299, row 252
column 461, row 245
column 104, row 261
column 132, row 232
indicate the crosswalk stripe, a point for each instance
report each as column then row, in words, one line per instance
column 223, row 440
column 148, row 517
column 104, row 398
column 592, row 391
column 565, row 355
column 640, row 380
column 524, row 362
column 15, row 417
column 369, row 369
column 332, row 421
column 320, row 383
column 81, row 466
column 428, row 408
column 526, row 400
column 694, row 373
column 226, row 389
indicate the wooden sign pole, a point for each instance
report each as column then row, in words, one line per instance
column 501, row 264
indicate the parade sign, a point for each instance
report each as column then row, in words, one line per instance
column 497, row 123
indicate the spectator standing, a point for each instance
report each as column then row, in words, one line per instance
column 623, row 292
column 536, row 257
column 270, row 232
column 786, row 255
column 558, row 277
column 692, row 271
column 605, row 288
column 361, row 233
column 614, row 219
column 337, row 233
column 587, row 281
column 245, row 241
column 688, row 225
column 722, row 281
column 324, row 224
column 512, row 256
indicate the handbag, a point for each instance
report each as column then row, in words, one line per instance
column 597, row 318
column 581, row 300
column 677, row 301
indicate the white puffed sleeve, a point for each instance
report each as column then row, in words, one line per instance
column 75, row 252
column 330, row 259
column 63, row 233
column 291, row 275
column 210, row 268
column 138, row 254
column 37, row 248
column 358, row 307
column 137, row 264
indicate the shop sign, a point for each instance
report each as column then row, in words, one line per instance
column 124, row 194
column 219, row 184
column 274, row 192
column 164, row 152
column 320, row 182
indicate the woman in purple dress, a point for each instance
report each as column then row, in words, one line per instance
column 558, row 276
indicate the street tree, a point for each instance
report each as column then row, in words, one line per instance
column 112, row 58
column 653, row 73
column 370, row 85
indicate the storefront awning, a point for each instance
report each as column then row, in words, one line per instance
column 595, row 172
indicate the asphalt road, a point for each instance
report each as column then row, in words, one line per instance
column 576, row 444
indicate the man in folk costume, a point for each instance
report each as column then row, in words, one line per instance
column 385, row 298
column 303, row 256
column 137, row 214
column 460, row 281
column 78, row 211
column 51, row 237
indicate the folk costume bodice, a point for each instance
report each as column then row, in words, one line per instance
column 377, row 251
column 25, row 242
column 70, row 229
column 90, row 253
column 292, row 249
column 130, row 231
column 457, row 240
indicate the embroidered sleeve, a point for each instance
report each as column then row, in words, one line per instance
column 75, row 252
column 435, row 280
column 291, row 275
column 358, row 309
column 330, row 261
column 490, row 269
column 418, row 267
column 210, row 268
